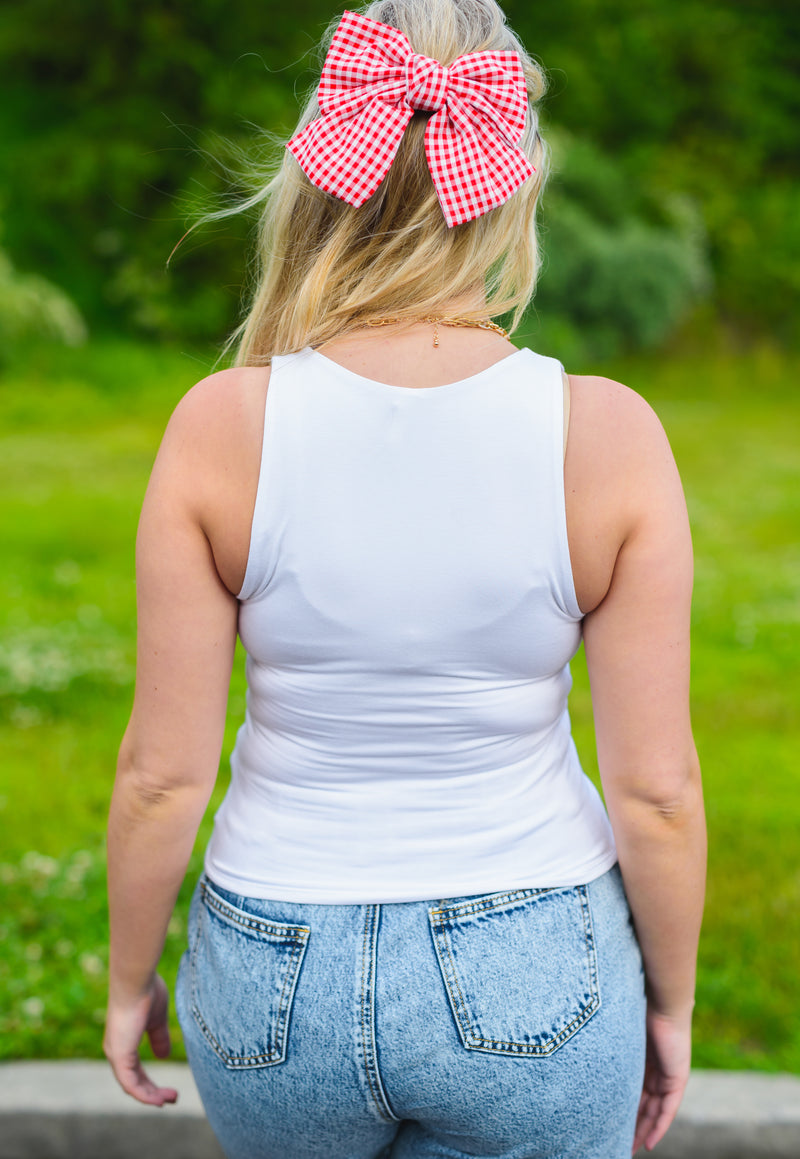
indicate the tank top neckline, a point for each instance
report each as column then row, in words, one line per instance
column 375, row 384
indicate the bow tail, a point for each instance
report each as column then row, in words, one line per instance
column 474, row 166
column 350, row 156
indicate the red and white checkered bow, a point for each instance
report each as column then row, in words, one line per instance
column 372, row 82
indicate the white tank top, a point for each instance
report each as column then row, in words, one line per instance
column 409, row 615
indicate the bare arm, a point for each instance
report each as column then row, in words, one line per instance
column 637, row 648
column 170, row 753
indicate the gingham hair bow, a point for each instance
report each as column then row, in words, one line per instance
column 372, row 83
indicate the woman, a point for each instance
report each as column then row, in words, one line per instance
column 412, row 937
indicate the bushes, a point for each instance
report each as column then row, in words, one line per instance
column 622, row 269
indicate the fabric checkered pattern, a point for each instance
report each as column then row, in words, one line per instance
column 372, row 82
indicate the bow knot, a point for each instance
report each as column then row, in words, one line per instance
column 371, row 84
column 426, row 83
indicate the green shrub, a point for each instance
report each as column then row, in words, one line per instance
column 622, row 267
column 33, row 308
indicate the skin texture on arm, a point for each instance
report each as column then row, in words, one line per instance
column 632, row 559
column 187, row 619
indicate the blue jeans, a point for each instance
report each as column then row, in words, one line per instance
column 509, row 1024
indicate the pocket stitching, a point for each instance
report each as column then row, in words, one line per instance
column 468, row 1032
column 276, row 1052
column 497, row 1046
column 493, row 901
column 283, row 1004
column 249, row 921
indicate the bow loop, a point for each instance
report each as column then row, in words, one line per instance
column 373, row 81
column 426, row 83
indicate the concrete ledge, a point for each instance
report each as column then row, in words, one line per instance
column 75, row 1110
column 736, row 1115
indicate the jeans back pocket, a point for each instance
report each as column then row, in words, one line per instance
column 243, row 973
column 520, row 968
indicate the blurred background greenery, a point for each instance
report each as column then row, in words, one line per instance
column 671, row 235
column 673, row 126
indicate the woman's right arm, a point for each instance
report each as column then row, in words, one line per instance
column 637, row 649
column 190, row 559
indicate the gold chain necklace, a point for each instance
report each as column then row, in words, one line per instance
column 486, row 324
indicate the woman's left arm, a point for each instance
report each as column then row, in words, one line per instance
column 170, row 754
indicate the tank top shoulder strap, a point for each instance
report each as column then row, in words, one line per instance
column 254, row 577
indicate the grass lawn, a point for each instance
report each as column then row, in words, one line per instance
column 78, row 431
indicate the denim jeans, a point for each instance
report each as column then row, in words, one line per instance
column 509, row 1024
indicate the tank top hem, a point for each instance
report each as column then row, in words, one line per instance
column 583, row 874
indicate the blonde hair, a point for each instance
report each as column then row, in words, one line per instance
column 326, row 268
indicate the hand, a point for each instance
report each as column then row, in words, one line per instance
column 126, row 1025
column 666, row 1072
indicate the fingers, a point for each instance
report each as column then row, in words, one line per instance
column 133, row 1079
column 666, row 1113
column 656, row 1113
column 649, row 1108
column 127, row 1023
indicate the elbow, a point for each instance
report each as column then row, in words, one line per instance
column 152, row 785
column 681, row 795
column 670, row 794
column 146, row 790
column 676, row 808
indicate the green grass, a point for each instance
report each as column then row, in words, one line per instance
column 78, row 431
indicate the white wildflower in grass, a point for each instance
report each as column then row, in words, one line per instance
column 64, row 948
column 74, row 890
column 79, row 866
column 67, row 573
column 92, row 964
column 33, row 952
column 39, row 864
column 32, row 1008
column 48, row 657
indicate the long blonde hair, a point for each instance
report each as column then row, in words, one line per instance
column 326, row 268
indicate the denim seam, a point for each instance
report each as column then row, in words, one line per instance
column 298, row 936
column 497, row 1046
column 368, row 969
column 591, row 949
column 489, row 903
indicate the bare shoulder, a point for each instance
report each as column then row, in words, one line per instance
column 217, row 426
column 615, row 437
column 237, row 382
column 612, row 415
column 207, row 467
column 221, row 406
column 620, row 478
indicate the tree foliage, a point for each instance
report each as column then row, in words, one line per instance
column 110, row 114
